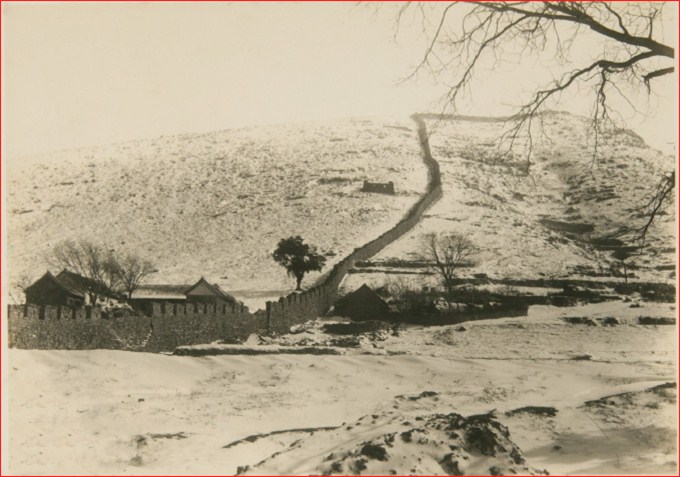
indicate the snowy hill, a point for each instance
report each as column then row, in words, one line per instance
column 547, row 223
column 216, row 204
column 588, row 389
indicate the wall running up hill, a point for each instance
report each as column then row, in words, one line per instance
column 169, row 326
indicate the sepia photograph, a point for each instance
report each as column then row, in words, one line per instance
column 339, row 238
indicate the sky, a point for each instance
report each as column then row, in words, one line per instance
column 77, row 75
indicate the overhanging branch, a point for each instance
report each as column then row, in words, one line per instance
column 655, row 74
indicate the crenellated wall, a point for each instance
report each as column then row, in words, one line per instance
column 170, row 325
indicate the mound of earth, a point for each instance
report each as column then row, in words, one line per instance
column 615, row 407
column 435, row 444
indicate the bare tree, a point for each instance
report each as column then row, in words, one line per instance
column 463, row 36
column 622, row 255
column 17, row 289
column 86, row 259
column 131, row 270
column 446, row 252
column 111, row 272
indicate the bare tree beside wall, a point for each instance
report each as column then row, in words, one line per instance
column 17, row 289
column 633, row 53
column 86, row 259
column 110, row 272
column 132, row 270
column 446, row 253
column 624, row 255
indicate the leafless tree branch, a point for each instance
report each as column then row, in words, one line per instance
column 655, row 205
column 656, row 74
column 634, row 53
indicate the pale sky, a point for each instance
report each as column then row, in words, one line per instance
column 78, row 75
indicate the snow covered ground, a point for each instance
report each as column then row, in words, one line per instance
column 575, row 399
column 115, row 412
column 216, row 204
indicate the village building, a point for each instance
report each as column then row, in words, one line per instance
column 361, row 305
column 204, row 292
column 70, row 289
column 49, row 290
column 200, row 292
column 66, row 289
column 169, row 293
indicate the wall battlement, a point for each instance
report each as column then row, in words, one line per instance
column 170, row 325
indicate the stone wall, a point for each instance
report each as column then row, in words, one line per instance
column 62, row 327
column 299, row 307
column 170, row 325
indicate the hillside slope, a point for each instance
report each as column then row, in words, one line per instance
column 547, row 223
column 216, row 204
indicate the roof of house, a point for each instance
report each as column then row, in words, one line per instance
column 214, row 288
column 66, row 285
column 160, row 292
column 79, row 284
column 364, row 292
column 179, row 292
column 227, row 297
column 73, row 283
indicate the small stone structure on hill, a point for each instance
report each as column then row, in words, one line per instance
column 379, row 187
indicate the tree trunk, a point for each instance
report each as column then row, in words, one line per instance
column 449, row 294
column 298, row 279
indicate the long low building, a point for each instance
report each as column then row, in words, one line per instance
column 200, row 292
column 70, row 289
